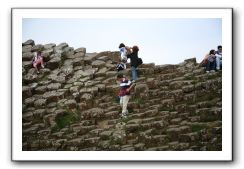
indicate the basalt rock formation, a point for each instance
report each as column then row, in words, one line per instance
column 71, row 105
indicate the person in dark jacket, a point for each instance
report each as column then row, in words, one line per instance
column 211, row 64
column 133, row 62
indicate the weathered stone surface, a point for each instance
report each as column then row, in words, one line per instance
column 27, row 56
column 47, row 54
column 49, row 45
column 26, row 92
column 93, row 113
column 39, row 113
column 73, row 105
column 104, row 58
column 28, row 42
column 37, row 47
column 141, row 90
column 40, row 103
column 78, row 62
column 105, row 135
column 54, row 63
column 98, row 63
column 53, row 96
column 54, row 86
column 80, row 50
column 27, row 64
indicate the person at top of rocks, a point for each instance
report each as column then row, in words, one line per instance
column 124, row 51
column 134, row 62
column 124, row 93
column 37, row 60
column 219, row 58
column 211, row 61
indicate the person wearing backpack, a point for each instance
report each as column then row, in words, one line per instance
column 133, row 62
column 124, row 51
column 211, row 64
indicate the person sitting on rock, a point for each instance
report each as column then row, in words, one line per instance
column 37, row 60
column 211, row 64
column 124, row 51
column 133, row 62
column 219, row 58
column 124, row 93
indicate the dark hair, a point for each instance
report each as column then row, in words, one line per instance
column 135, row 49
column 121, row 45
column 119, row 76
column 39, row 52
column 219, row 47
column 212, row 52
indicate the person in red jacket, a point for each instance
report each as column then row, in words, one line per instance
column 124, row 93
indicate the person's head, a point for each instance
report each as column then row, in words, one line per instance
column 121, row 45
column 135, row 49
column 212, row 52
column 120, row 76
column 219, row 48
column 39, row 52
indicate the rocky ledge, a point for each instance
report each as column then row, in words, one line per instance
column 72, row 106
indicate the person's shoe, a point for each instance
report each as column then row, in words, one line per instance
column 212, row 71
column 124, row 114
column 207, row 71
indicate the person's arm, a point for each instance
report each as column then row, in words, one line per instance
column 131, row 86
column 129, row 56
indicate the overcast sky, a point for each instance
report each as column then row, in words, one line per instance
column 162, row 41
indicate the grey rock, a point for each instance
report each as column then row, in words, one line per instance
column 36, row 48
column 80, row 50
column 54, row 86
column 28, row 42
column 71, row 104
column 40, row 103
column 49, row 46
column 98, row 63
column 54, row 63
column 27, row 56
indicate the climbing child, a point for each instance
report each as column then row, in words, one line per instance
column 37, row 60
column 124, row 51
column 124, row 93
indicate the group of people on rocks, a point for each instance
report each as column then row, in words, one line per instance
column 125, row 84
column 213, row 60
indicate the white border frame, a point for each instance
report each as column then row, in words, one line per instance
column 19, row 155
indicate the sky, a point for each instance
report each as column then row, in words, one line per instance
column 160, row 41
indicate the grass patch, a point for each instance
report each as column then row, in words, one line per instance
column 138, row 100
column 65, row 120
column 167, row 109
column 207, row 97
column 116, row 99
column 190, row 78
column 125, row 120
column 198, row 127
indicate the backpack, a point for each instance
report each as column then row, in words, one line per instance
column 139, row 61
column 120, row 67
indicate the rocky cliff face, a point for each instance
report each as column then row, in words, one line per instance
column 72, row 105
